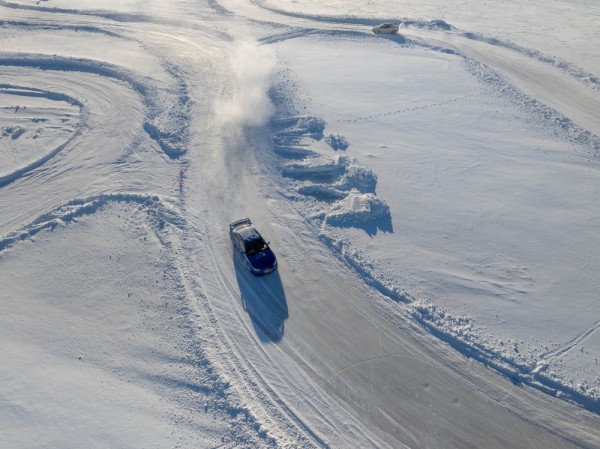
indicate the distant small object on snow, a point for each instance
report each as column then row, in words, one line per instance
column 385, row 28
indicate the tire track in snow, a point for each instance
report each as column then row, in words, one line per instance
column 161, row 105
column 54, row 96
column 110, row 105
column 512, row 71
column 279, row 418
column 285, row 36
column 70, row 211
column 147, row 91
column 550, row 356
column 31, row 25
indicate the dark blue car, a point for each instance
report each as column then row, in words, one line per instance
column 254, row 250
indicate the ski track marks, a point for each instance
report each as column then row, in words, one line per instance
column 550, row 356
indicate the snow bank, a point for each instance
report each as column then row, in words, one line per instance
column 448, row 174
column 334, row 189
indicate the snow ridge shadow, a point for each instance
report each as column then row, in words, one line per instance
column 72, row 210
column 560, row 125
column 336, row 190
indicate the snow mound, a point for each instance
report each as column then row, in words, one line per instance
column 357, row 177
column 337, row 141
column 334, row 189
column 321, row 169
column 313, row 126
column 358, row 209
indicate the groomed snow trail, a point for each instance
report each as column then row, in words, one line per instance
column 166, row 151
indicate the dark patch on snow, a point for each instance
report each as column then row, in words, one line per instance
column 13, row 131
column 322, row 193
column 263, row 298
column 293, row 152
column 325, row 172
column 337, row 142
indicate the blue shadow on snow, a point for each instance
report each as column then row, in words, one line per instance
column 263, row 298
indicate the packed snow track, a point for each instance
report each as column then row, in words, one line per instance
column 130, row 140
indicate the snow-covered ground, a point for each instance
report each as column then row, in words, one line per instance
column 456, row 201
column 430, row 197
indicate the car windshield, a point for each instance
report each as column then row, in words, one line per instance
column 253, row 247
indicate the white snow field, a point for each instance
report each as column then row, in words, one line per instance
column 431, row 197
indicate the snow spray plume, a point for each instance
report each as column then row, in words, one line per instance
column 251, row 68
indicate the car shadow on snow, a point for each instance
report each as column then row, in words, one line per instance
column 398, row 38
column 263, row 298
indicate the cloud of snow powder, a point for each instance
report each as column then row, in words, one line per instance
column 247, row 103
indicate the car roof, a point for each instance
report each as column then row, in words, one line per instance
column 248, row 233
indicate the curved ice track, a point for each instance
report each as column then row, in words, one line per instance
column 557, row 94
column 340, row 343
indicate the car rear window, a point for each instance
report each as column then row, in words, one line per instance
column 255, row 246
